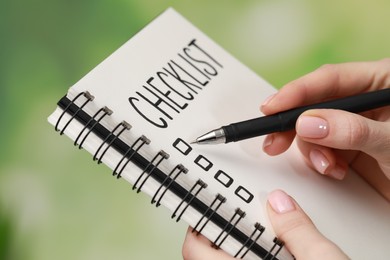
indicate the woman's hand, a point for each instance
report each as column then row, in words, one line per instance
column 291, row 225
column 333, row 140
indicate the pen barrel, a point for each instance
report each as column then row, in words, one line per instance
column 355, row 104
column 252, row 128
column 286, row 120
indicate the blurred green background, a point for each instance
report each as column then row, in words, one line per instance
column 54, row 202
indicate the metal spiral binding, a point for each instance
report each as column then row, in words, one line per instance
column 129, row 154
column 166, row 182
column 228, row 228
column 250, row 242
column 178, row 169
column 88, row 97
column 221, row 199
column 278, row 245
column 160, row 156
column 125, row 126
column 201, row 185
column 103, row 111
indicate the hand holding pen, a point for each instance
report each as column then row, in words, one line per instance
column 330, row 141
column 333, row 140
column 320, row 106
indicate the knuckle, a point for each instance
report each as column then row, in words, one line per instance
column 332, row 72
column 383, row 147
column 358, row 132
column 294, row 226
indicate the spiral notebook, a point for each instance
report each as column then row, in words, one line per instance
column 138, row 111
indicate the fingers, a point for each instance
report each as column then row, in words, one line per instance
column 325, row 160
column 277, row 143
column 368, row 168
column 342, row 130
column 329, row 82
column 291, row 225
column 297, row 231
column 198, row 247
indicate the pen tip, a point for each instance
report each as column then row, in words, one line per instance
column 194, row 142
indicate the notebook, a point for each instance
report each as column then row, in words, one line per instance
column 140, row 108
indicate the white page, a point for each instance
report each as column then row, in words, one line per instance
column 349, row 212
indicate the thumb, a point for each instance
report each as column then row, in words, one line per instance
column 343, row 130
column 298, row 232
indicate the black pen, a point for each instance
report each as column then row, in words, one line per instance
column 286, row 120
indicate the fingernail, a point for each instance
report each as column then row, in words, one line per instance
column 280, row 202
column 319, row 161
column 312, row 127
column 337, row 173
column 268, row 100
column 268, row 141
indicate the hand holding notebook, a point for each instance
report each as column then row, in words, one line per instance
column 352, row 78
column 134, row 112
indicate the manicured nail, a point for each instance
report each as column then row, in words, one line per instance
column 268, row 141
column 319, row 161
column 268, row 100
column 312, row 127
column 337, row 173
column 280, row 202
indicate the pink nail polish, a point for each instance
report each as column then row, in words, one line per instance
column 312, row 127
column 280, row 202
column 337, row 173
column 319, row 161
column 268, row 141
column 267, row 100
